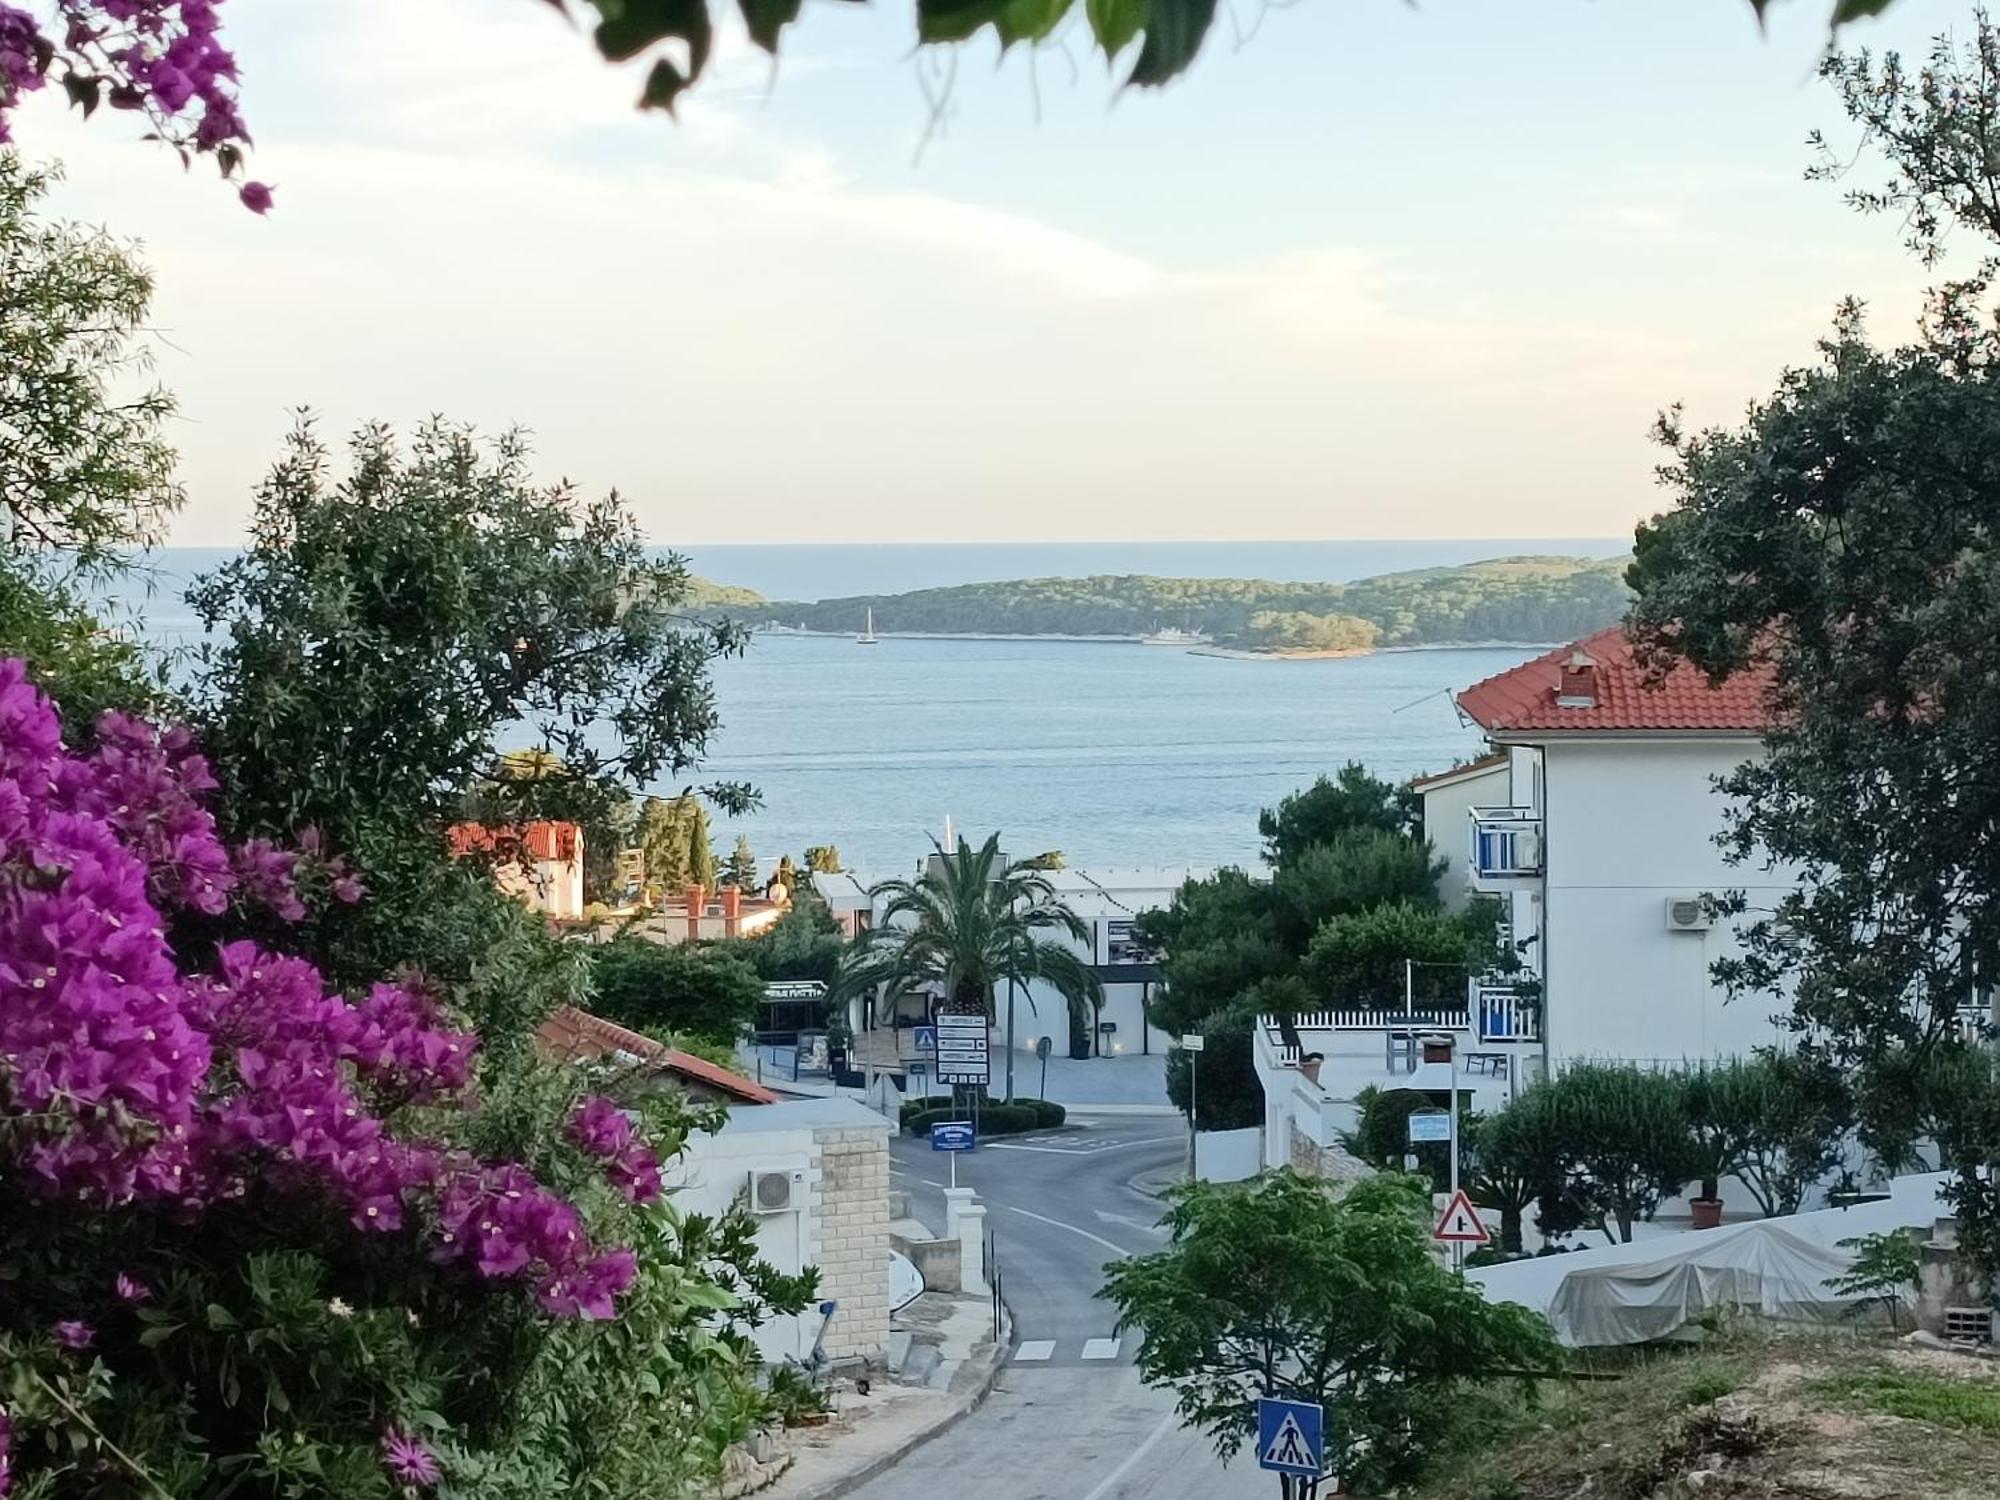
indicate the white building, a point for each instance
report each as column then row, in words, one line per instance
column 1595, row 823
column 1109, row 900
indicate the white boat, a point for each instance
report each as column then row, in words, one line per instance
column 1173, row 635
column 867, row 637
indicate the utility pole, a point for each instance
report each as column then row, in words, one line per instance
column 1192, row 1044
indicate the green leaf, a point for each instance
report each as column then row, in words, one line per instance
column 766, row 18
column 1173, row 36
column 663, row 85
column 631, row 26
column 83, row 92
column 158, row 1334
column 1029, row 20
column 954, row 20
column 708, row 1295
column 1856, row 10
column 1115, row 22
column 220, row 1317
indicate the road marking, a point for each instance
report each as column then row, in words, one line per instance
column 1142, row 1227
column 1110, row 1481
column 1034, row 1349
column 1058, row 1223
column 1100, row 1348
column 1092, row 1148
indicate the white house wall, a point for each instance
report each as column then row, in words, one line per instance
column 1447, row 819
column 1629, row 824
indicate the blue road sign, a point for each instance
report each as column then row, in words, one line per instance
column 925, row 1039
column 952, row 1135
column 1291, row 1437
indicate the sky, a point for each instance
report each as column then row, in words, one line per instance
column 1369, row 270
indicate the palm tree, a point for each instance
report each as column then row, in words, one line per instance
column 966, row 926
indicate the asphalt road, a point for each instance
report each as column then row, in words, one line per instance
column 1068, row 1419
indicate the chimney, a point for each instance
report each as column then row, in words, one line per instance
column 695, row 896
column 1578, row 685
column 732, row 910
column 1309, row 1065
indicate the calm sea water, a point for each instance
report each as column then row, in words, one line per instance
column 1113, row 752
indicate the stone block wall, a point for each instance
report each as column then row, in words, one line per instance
column 1333, row 1163
column 852, row 1167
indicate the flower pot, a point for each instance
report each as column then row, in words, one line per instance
column 1707, row 1212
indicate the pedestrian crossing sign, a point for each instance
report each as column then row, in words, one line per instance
column 1291, row 1437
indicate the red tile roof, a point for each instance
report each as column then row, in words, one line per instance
column 550, row 841
column 573, row 1035
column 1521, row 702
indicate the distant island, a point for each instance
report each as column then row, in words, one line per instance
column 1513, row 600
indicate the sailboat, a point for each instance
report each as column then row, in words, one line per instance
column 867, row 637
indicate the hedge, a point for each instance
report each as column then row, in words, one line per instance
column 994, row 1119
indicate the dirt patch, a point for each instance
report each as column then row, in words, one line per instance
column 1750, row 1415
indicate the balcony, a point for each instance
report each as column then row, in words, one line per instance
column 1506, row 846
column 1503, row 1014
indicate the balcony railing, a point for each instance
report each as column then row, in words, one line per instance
column 1506, row 843
column 1440, row 1017
column 1504, row 1014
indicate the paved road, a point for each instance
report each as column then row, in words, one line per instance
column 1069, row 1419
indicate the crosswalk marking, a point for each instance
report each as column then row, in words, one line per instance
column 1100, row 1349
column 1034, row 1349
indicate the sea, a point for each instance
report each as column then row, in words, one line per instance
column 1113, row 752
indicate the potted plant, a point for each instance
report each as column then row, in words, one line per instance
column 1721, row 1105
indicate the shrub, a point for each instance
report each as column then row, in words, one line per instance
column 698, row 992
column 290, row 1259
column 994, row 1119
column 1626, row 1140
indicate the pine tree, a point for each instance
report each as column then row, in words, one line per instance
column 663, row 835
column 700, row 852
column 740, row 869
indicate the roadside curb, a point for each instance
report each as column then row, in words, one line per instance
column 978, row 1377
column 1119, row 1109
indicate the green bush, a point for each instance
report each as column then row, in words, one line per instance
column 994, row 1119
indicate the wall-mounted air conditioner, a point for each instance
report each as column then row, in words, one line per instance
column 777, row 1192
column 1688, row 914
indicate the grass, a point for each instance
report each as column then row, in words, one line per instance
column 1773, row 1412
column 1918, row 1397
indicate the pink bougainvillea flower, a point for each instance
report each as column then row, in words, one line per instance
column 131, row 1290
column 74, row 1333
column 256, row 196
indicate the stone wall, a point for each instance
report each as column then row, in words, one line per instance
column 1334, row 1163
column 852, row 1253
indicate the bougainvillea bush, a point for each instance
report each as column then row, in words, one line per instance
column 262, row 1239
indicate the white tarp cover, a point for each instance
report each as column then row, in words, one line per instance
column 1758, row 1267
column 1653, row 1288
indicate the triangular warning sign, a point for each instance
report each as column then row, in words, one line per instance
column 1289, row 1448
column 1460, row 1223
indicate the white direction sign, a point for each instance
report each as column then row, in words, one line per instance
column 1429, row 1125
column 963, row 1050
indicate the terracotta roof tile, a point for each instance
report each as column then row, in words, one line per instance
column 573, row 1035
column 550, row 841
column 1522, row 700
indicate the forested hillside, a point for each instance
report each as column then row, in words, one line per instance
column 1513, row 599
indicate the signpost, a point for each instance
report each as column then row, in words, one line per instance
column 1429, row 1125
column 924, row 1038
column 953, row 1136
column 1043, row 1047
column 1192, row 1043
column 1291, row 1443
column 962, row 1050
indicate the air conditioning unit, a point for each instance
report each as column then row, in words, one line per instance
column 777, row 1192
column 1688, row 914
